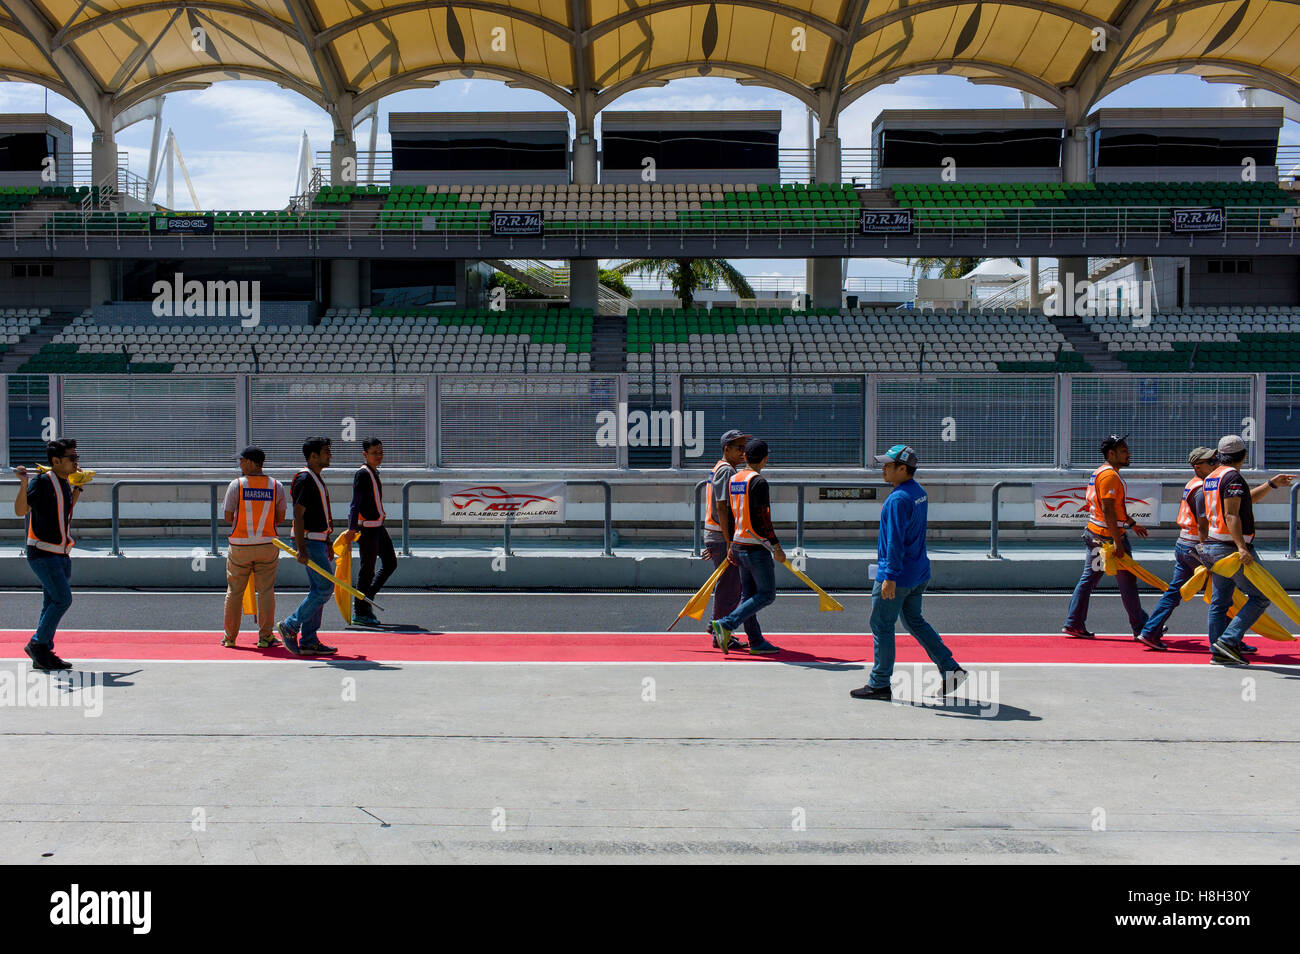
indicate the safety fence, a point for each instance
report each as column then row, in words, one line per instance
column 585, row 420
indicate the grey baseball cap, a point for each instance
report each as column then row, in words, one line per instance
column 1231, row 444
column 1200, row 454
column 899, row 453
column 735, row 435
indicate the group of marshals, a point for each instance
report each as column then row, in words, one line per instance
column 255, row 507
column 1215, row 519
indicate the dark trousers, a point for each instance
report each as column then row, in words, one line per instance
column 726, row 595
column 55, row 574
column 375, row 543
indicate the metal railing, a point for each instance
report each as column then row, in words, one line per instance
column 426, row 482
column 213, row 486
column 697, row 521
column 838, row 227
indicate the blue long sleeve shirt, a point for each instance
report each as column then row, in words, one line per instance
column 900, row 547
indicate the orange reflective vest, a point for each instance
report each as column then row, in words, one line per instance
column 1187, row 525
column 63, row 510
column 1214, row 505
column 325, row 503
column 738, row 494
column 379, row 500
column 1096, row 518
column 711, row 511
column 254, row 512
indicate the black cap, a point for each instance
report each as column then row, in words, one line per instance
column 755, row 450
column 255, row 454
column 734, row 435
column 1111, row 441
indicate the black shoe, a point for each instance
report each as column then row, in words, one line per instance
column 884, row 693
column 1247, row 649
column 289, row 638
column 316, row 648
column 953, row 680
column 57, row 662
column 763, row 649
column 735, row 643
column 1153, row 641
column 1228, row 650
column 40, row 657
column 1077, row 632
column 1219, row 659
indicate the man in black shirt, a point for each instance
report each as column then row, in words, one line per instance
column 313, row 527
column 366, row 521
column 47, row 504
column 753, row 545
column 718, row 528
column 1229, row 510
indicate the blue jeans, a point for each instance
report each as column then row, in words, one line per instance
column 1092, row 573
column 726, row 595
column 305, row 620
column 1185, row 564
column 757, row 589
column 884, row 617
column 55, row 574
column 1221, row 598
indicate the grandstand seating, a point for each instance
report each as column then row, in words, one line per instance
column 1209, row 339
column 849, row 341
column 358, row 340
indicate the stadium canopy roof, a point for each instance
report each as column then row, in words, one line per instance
column 108, row 55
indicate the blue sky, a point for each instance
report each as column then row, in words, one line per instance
column 240, row 139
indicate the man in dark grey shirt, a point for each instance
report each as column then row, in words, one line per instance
column 718, row 528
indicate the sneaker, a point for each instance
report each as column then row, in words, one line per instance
column 1077, row 632
column 736, row 642
column 316, row 648
column 56, row 662
column 1246, row 649
column 267, row 642
column 289, row 637
column 884, row 693
column 1218, row 659
column 1152, row 641
column 40, row 657
column 721, row 636
column 763, row 649
column 1232, row 652
column 952, row 681
column 365, row 619
column 228, row 642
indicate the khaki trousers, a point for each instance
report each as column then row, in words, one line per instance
column 258, row 560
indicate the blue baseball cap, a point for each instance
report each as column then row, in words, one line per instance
column 899, row 454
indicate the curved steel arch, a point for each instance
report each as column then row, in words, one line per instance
column 830, row 28
column 71, row 34
column 1267, row 79
column 1042, row 6
column 330, row 34
column 760, row 76
column 36, row 79
column 410, row 79
column 161, row 84
column 1017, row 79
column 1185, row 6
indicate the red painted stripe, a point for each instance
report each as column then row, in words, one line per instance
column 633, row 647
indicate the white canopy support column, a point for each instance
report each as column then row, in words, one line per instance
column 827, row 274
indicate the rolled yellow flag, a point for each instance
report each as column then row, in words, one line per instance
column 825, row 602
column 698, row 603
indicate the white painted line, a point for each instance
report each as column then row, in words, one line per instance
column 827, row 664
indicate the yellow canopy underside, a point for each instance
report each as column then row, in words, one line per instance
column 826, row 52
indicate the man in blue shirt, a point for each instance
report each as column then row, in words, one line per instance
column 902, row 571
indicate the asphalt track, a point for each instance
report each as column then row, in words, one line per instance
column 569, row 728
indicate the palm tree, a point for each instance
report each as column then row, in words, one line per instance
column 948, row 267
column 689, row 274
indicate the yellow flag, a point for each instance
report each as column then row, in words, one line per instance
column 343, row 570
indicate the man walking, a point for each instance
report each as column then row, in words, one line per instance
column 255, row 506
column 754, row 545
column 313, row 526
column 47, row 504
column 1192, row 526
column 1108, row 521
column 719, row 526
column 366, row 521
column 1229, row 509
column 902, row 572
